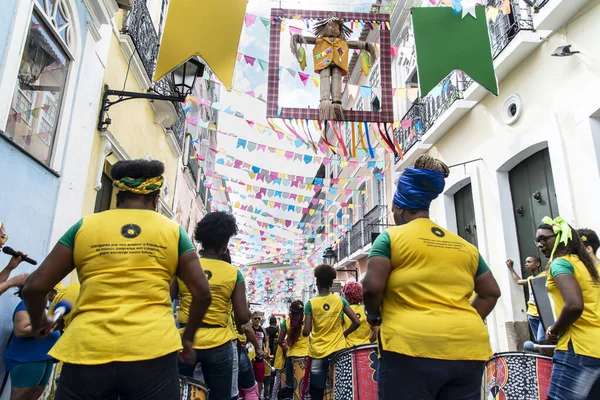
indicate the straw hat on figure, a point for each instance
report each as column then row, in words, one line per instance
column 331, row 61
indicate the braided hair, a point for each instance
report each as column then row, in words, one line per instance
column 296, row 319
column 425, row 161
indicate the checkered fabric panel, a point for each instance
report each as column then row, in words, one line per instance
column 386, row 114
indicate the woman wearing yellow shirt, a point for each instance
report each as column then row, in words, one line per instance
column 420, row 276
column 323, row 322
column 575, row 291
column 214, row 340
column 295, row 344
column 533, row 264
column 352, row 292
column 121, row 341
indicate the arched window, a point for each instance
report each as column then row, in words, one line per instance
column 35, row 110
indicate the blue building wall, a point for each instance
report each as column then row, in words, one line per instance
column 28, row 192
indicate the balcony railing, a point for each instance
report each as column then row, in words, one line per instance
column 374, row 222
column 342, row 249
column 356, row 236
column 139, row 27
column 506, row 27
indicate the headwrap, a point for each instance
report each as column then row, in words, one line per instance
column 417, row 188
column 352, row 292
column 561, row 229
column 140, row 185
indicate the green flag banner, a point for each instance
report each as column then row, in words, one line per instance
column 446, row 41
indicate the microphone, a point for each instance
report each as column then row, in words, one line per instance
column 61, row 309
column 10, row 251
column 530, row 346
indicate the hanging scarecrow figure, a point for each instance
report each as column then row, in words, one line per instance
column 331, row 61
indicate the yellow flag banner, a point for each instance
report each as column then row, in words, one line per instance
column 202, row 28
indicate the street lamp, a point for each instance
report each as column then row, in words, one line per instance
column 330, row 256
column 183, row 78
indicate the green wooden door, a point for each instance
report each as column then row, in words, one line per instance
column 465, row 214
column 534, row 197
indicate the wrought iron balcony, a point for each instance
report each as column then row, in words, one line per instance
column 342, row 249
column 357, row 236
column 139, row 27
column 374, row 222
column 506, row 27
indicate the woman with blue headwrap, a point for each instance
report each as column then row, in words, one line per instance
column 574, row 288
column 420, row 276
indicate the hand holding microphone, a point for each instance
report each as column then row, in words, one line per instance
column 17, row 254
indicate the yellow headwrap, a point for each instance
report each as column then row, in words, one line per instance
column 561, row 229
column 140, row 185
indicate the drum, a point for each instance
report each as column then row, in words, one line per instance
column 191, row 389
column 299, row 365
column 512, row 376
column 354, row 373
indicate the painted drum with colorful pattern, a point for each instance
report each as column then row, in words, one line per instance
column 299, row 365
column 191, row 389
column 518, row 376
column 354, row 373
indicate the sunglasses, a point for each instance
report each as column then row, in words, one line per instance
column 543, row 239
column 256, row 319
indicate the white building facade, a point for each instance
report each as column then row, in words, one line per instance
column 530, row 152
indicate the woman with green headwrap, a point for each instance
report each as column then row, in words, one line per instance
column 121, row 341
column 575, row 291
column 433, row 341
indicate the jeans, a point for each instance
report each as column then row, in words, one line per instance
column 235, row 371
column 401, row 377
column 246, row 375
column 216, row 364
column 154, row 379
column 535, row 324
column 573, row 376
column 319, row 372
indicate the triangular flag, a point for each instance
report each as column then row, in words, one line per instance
column 394, row 50
column 505, row 7
column 295, row 31
column 249, row 19
column 315, row 80
column 492, row 13
column 352, row 90
column 466, row 46
column 239, row 58
column 251, row 123
column 263, row 64
column 291, row 72
column 250, row 60
column 251, row 93
column 303, row 77
column 265, row 21
column 365, row 91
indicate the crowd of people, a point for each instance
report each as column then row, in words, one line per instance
column 423, row 302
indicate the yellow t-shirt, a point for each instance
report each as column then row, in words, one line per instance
column 327, row 334
column 426, row 310
column 361, row 335
column 531, row 306
column 69, row 293
column 216, row 325
column 125, row 260
column 300, row 347
column 584, row 333
column 279, row 362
